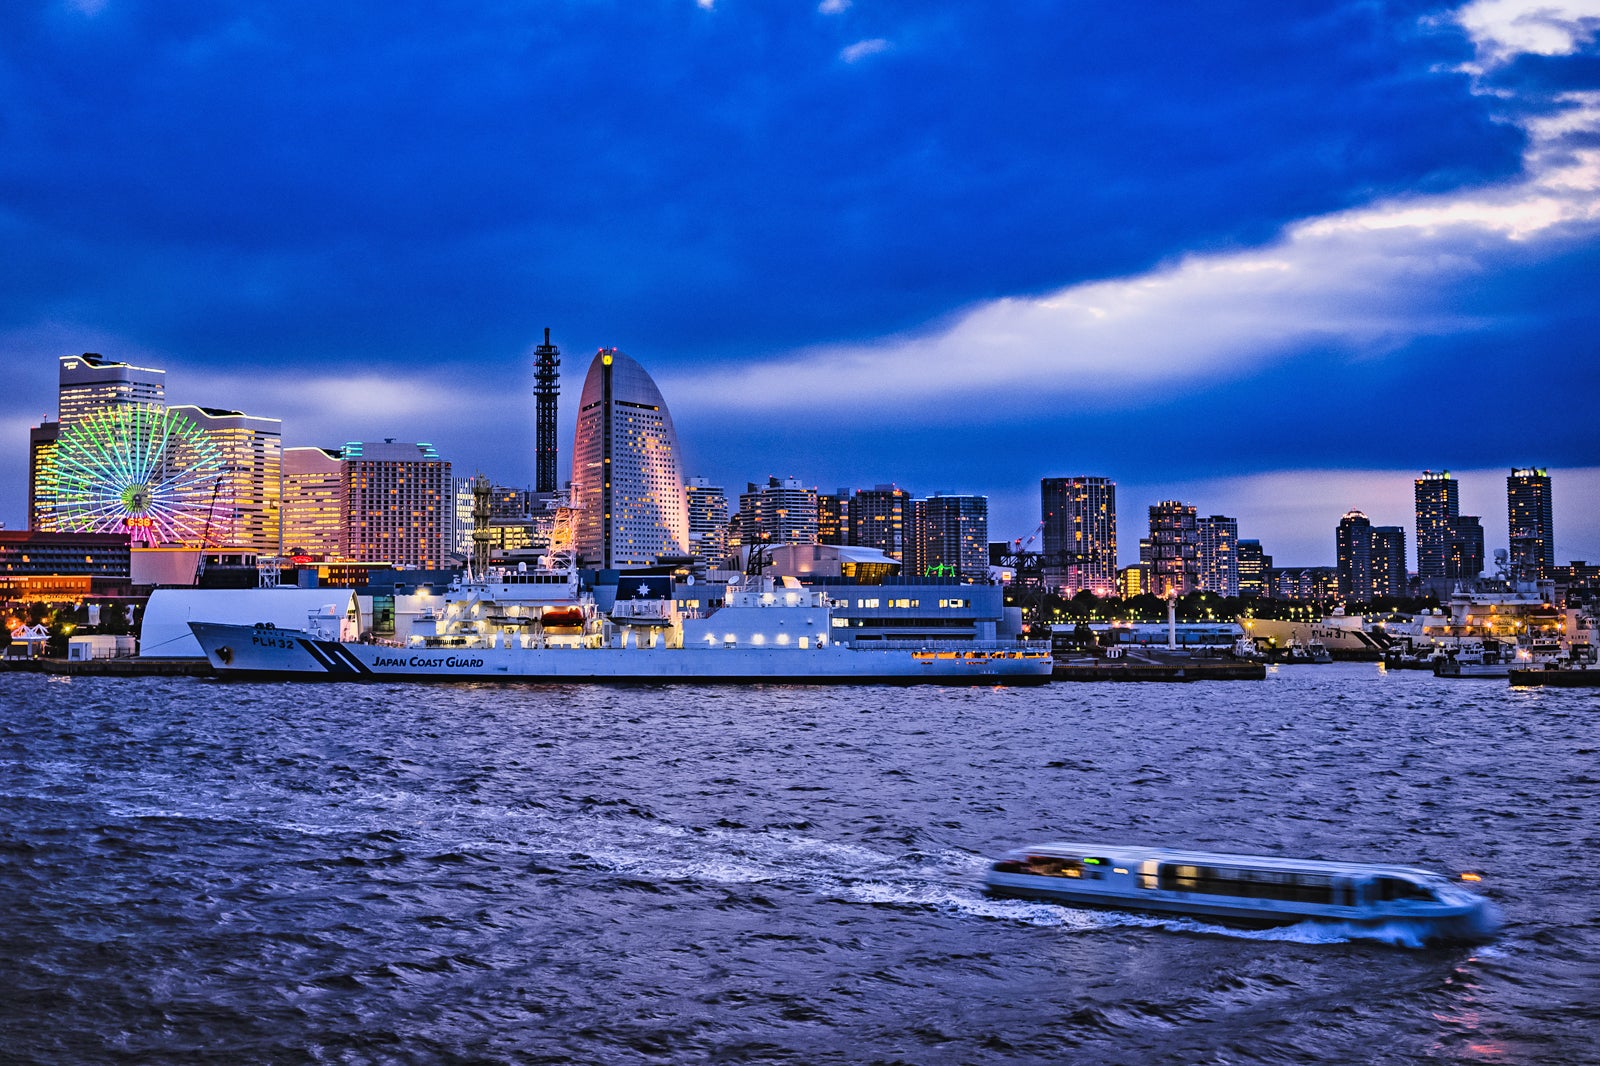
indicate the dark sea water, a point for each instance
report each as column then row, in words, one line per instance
column 195, row 871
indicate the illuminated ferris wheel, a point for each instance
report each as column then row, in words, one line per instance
column 138, row 469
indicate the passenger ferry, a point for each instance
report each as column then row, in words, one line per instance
column 1251, row 890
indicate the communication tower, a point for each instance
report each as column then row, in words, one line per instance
column 547, row 385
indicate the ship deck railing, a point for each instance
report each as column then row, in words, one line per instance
column 954, row 645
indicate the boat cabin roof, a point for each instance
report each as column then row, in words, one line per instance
column 1130, row 856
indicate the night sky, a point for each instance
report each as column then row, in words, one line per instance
column 1271, row 259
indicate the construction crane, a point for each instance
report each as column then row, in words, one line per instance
column 205, row 536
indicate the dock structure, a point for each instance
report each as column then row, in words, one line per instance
column 1557, row 677
column 131, row 666
column 1155, row 664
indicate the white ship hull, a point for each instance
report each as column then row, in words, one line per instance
column 259, row 651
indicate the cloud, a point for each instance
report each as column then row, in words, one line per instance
column 1362, row 283
column 1504, row 29
column 862, row 49
column 834, row 7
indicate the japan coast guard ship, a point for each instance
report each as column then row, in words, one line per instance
column 539, row 626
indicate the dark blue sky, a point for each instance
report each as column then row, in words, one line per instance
column 960, row 246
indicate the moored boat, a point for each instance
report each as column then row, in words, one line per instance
column 536, row 627
column 1253, row 890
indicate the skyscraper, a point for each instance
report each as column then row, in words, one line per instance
column 780, row 512
column 948, row 536
column 1217, row 554
column 1353, row 544
column 878, row 519
column 708, row 520
column 1531, row 522
column 833, row 517
column 86, row 383
column 1174, row 549
column 1389, row 561
column 627, row 473
column 547, row 386
column 1438, row 499
column 1464, row 557
column 1079, row 544
column 90, row 381
column 1255, row 565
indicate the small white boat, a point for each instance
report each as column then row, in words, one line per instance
column 1253, row 890
column 1475, row 658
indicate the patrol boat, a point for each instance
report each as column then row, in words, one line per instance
column 543, row 627
column 1251, row 890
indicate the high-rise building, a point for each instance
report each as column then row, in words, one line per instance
column 245, row 510
column 948, row 536
column 708, row 520
column 1389, row 561
column 1531, row 522
column 397, row 499
column 780, row 512
column 1079, row 543
column 878, row 519
column 1217, row 554
column 1174, row 549
column 833, row 517
column 90, row 381
column 1353, row 544
column 41, row 454
column 1464, row 558
column 314, row 503
column 1255, row 567
column 627, row 473
column 1438, row 500
column 547, row 386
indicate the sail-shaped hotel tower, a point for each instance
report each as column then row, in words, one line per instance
column 627, row 470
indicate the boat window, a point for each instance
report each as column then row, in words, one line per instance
column 1056, row 866
column 1247, row 884
column 1386, row 889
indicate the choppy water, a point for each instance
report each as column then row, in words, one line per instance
column 193, row 871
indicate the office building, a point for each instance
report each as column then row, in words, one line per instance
column 1254, row 570
column 1438, row 502
column 708, row 521
column 878, row 519
column 1353, row 548
column 245, row 508
column 1389, row 578
column 1174, row 549
column 627, row 473
column 1531, row 523
column 1217, row 554
column 397, row 504
column 948, row 537
column 780, row 512
column 1079, row 535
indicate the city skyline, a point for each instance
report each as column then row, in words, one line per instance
column 1370, row 230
